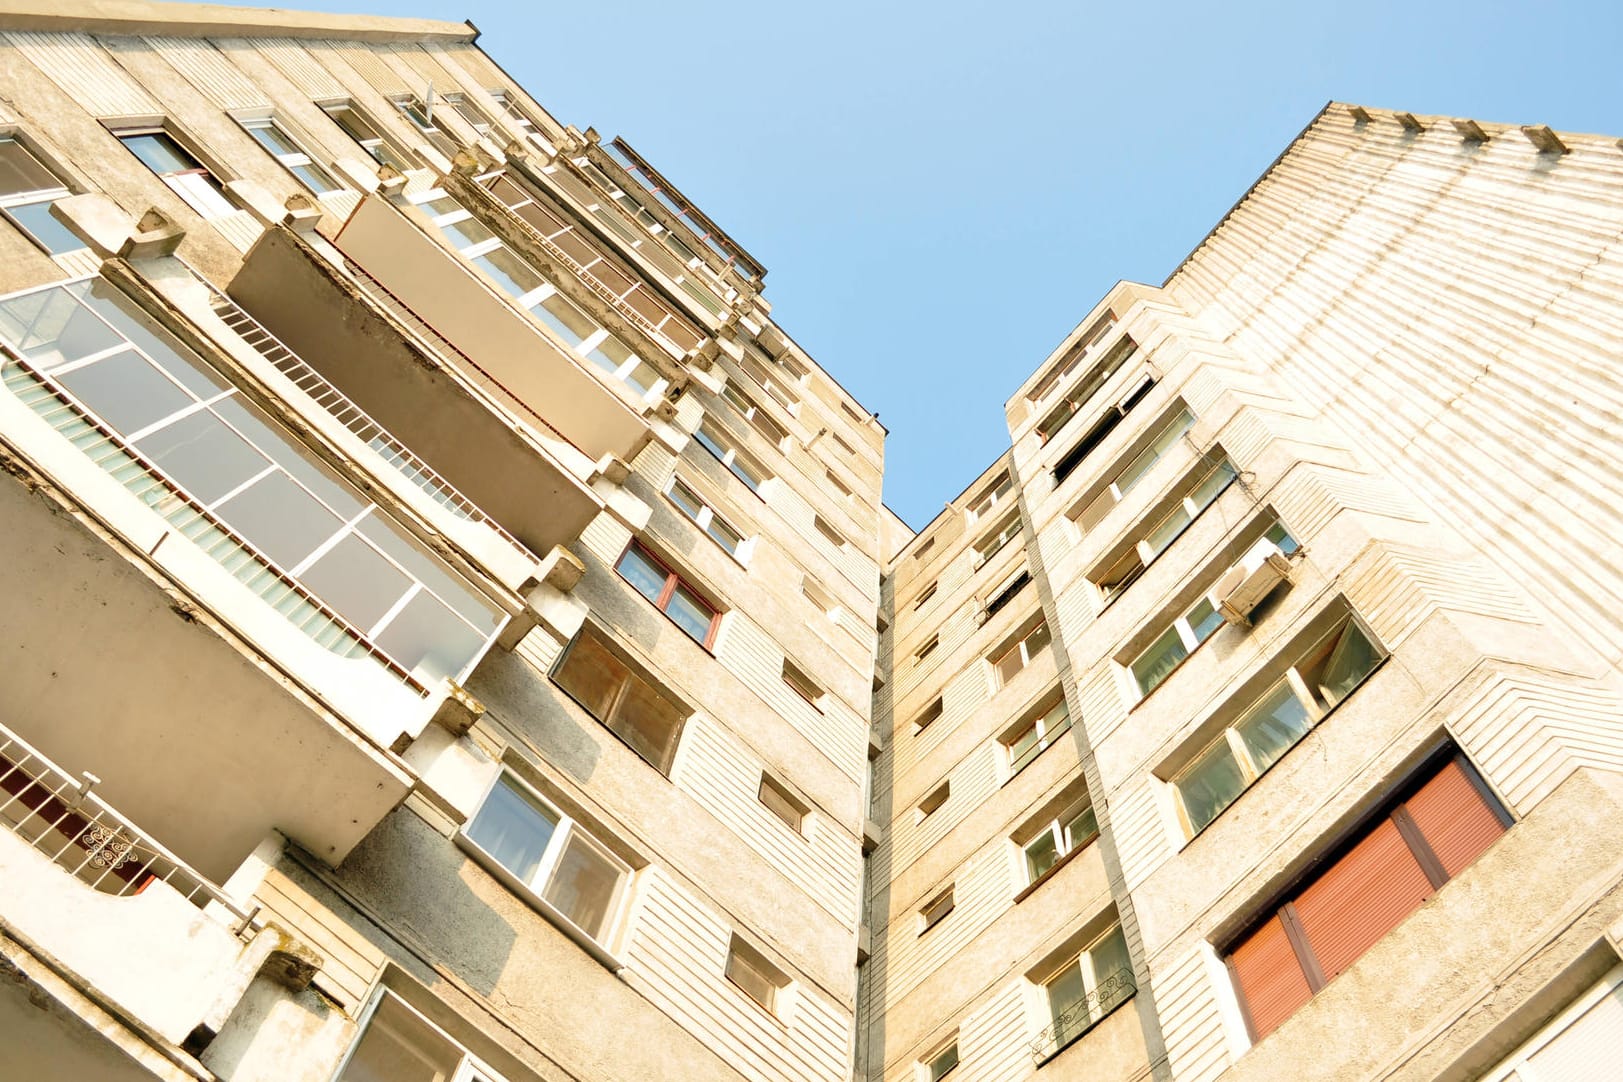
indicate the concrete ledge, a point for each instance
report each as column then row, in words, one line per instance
column 215, row 20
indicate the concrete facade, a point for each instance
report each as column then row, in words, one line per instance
column 454, row 632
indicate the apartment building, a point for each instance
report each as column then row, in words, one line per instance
column 454, row 632
column 1256, row 714
column 441, row 601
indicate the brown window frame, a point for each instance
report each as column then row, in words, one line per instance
column 602, row 641
column 1394, row 811
column 673, row 579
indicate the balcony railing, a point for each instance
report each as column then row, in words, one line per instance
column 350, row 415
column 59, row 816
column 1083, row 1015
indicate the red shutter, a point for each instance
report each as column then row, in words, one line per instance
column 1456, row 822
column 1270, row 978
column 1361, row 897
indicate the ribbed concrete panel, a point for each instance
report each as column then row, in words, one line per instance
column 79, row 65
column 1190, row 1018
column 301, row 69
column 210, row 72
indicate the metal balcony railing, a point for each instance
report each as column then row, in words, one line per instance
column 350, row 415
column 1083, row 1015
column 144, row 480
column 59, row 816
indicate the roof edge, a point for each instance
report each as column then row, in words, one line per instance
column 132, row 17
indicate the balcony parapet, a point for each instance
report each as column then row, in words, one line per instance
column 1083, row 1015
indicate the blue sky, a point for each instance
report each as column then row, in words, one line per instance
column 941, row 191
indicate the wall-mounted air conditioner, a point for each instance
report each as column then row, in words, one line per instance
column 1255, row 576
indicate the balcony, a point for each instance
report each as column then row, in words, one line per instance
column 506, row 491
column 498, row 342
column 107, row 927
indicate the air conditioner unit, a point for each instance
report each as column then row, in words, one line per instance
column 1256, row 574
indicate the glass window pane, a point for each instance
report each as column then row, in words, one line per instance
column 183, row 366
column 279, row 445
column 1038, row 639
column 686, row 499
column 724, row 535
column 513, row 828
column 1204, row 619
column 570, row 322
column 1210, row 784
column 610, row 354
column 1109, row 957
column 429, row 639
column 943, row 1063
column 454, row 591
column 1023, row 744
column 22, row 171
column 1282, row 538
column 51, row 328
column 273, row 139
column 584, row 885
column 281, row 519
column 399, row 1047
column 126, row 391
column 466, row 232
column 1168, row 529
column 690, row 613
column 204, row 457
column 1080, row 827
column 315, row 178
column 1215, row 482
column 1156, row 663
column 648, row 722
column 1041, row 856
column 160, row 153
column 35, row 219
column 1350, row 661
column 354, row 578
column 639, row 569
column 1273, row 726
column 591, row 676
column 1066, row 992
column 746, row 472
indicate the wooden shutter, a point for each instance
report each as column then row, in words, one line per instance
column 1270, row 978
column 1361, row 897
column 1455, row 820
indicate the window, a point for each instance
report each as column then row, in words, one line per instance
column 366, row 136
column 819, row 597
column 27, row 190
column 1273, row 724
column 941, row 1064
column 175, row 165
column 470, row 112
column 1376, row 879
column 399, row 1045
column 421, row 117
column 670, row 595
column 928, row 717
column 712, row 439
column 222, row 469
column 1155, row 539
column 1073, row 359
column 274, row 138
column 1018, row 656
column 927, row 649
column 522, row 119
column 771, row 382
column 830, row 534
column 802, row 685
column 537, row 295
column 704, row 516
column 993, row 542
column 645, row 718
column 841, row 444
column 990, row 497
column 775, row 433
column 929, row 592
column 1032, row 738
column 1084, row 990
column 1576, row 1045
column 1135, row 471
column 933, row 800
column 1079, row 395
column 551, row 856
column 780, row 802
column 924, row 547
column 749, row 971
column 1007, row 591
column 838, row 486
column 1058, row 839
column 935, row 910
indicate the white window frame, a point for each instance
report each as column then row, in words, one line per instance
column 706, row 517
column 1026, row 653
column 378, row 147
column 993, row 543
column 582, row 351
column 751, row 411
column 781, row 1002
column 937, row 908
column 1083, row 962
column 481, row 123
column 532, row 891
column 470, row 1069
column 1140, row 466
column 714, row 439
column 36, row 197
column 925, row 1071
column 514, row 112
column 1048, row 730
column 988, row 500
column 1192, row 504
column 1060, row 831
column 293, row 160
column 1316, row 705
column 199, row 188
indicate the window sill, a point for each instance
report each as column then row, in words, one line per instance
column 1031, row 888
column 539, row 904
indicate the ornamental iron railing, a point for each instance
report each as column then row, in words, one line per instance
column 58, row 815
column 1083, row 1015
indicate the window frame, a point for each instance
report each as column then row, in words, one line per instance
column 378, row 147
column 785, row 806
column 1315, row 706
column 929, row 1068
column 1067, row 843
column 533, row 890
column 604, row 643
column 1179, row 420
column 1083, row 962
column 751, row 958
column 412, row 107
column 1021, row 645
column 36, row 196
column 1143, row 549
column 933, row 801
column 989, row 498
column 937, row 908
column 1047, row 735
column 510, row 107
column 800, row 682
column 988, row 545
column 294, row 160
column 470, row 1068
column 208, row 198
column 707, row 519
column 673, row 580
column 724, row 449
